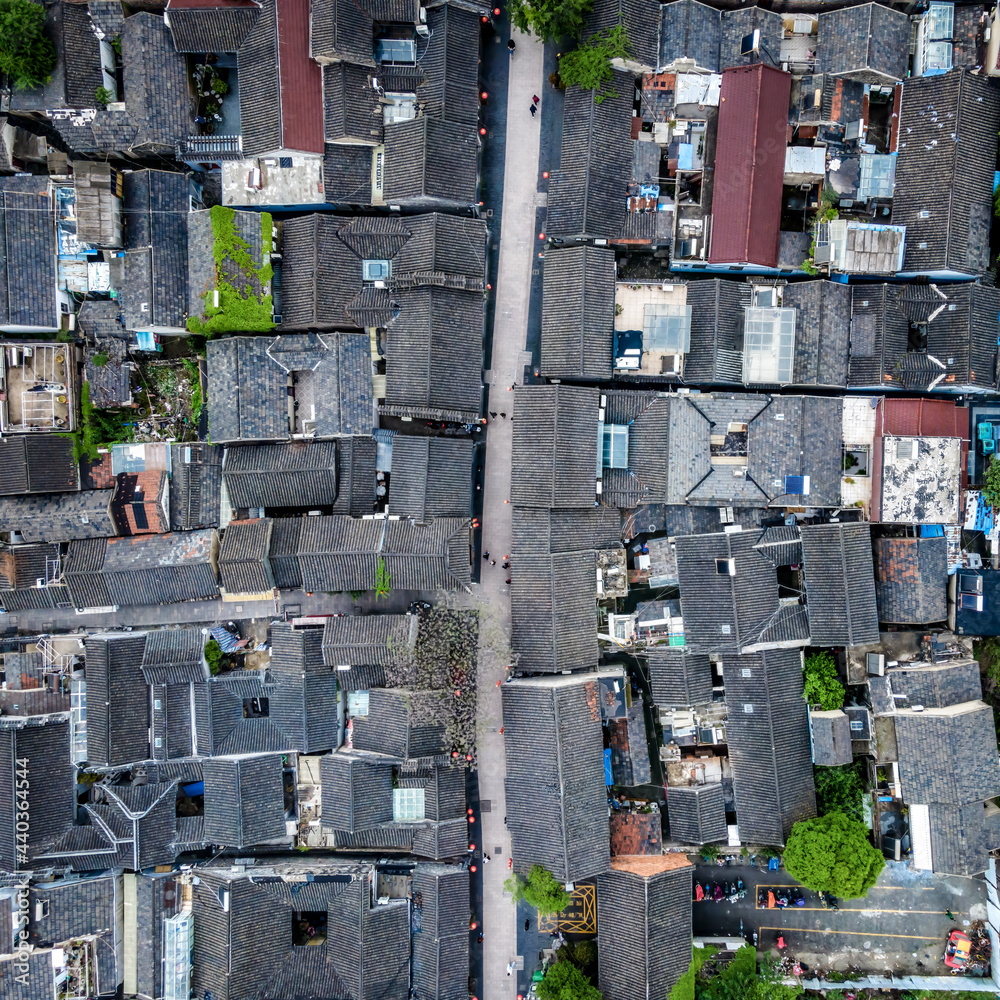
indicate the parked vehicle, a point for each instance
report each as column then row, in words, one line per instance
column 957, row 950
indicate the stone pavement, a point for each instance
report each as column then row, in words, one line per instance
column 517, row 252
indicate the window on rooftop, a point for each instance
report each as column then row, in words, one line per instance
column 399, row 108
column 376, row 270
column 308, row 928
column 407, row 804
column 396, row 51
column 666, row 327
column 878, row 176
column 768, row 345
column 614, row 447
column 916, row 341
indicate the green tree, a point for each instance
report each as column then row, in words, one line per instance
column 589, row 65
column 991, row 483
column 213, row 656
column 832, row 853
column 564, row 981
column 27, row 55
column 550, row 20
column 822, row 686
column 839, row 789
column 540, row 890
column 585, row 953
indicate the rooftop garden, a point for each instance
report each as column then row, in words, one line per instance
column 241, row 282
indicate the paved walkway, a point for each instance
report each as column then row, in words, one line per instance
column 517, row 252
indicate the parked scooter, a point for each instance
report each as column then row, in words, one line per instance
column 800, row 899
column 717, row 892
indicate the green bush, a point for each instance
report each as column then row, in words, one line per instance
column 839, row 789
column 383, row 581
column 540, row 890
column 213, row 656
column 100, row 360
column 550, row 20
column 991, row 483
column 822, row 686
column 103, row 96
column 589, row 65
column 564, row 981
column 27, row 55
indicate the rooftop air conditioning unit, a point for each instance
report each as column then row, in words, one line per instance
column 739, row 473
column 423, row 31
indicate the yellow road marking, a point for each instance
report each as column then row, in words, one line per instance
column 823, row 930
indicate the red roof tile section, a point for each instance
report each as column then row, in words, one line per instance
column 301, row 80
column 924, row 417
column 749, row 165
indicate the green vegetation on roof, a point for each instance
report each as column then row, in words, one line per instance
column 241, row 309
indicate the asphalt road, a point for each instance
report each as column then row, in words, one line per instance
column 901, row 925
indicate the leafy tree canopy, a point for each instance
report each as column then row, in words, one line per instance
column 822, row 686
column 550, row 20
column 839, row 789
column 540, row 890
column 27, row 55
column 991, row 483
column 741, row 980
column 832, row 853
column 564, row 981
column 589, row 65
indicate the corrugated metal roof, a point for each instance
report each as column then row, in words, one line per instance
column 750, row 164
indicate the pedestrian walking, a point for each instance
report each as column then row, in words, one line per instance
column 493, row 562
column 508, row 581
column 506, row 565
column 535, row 99
column 527, row 925
column 493, row 414
column 501, row 733
column 486, row 555
column 486, row 859
column 511, row 46
column 503, row 416
column 534, row 110
column 951, row 916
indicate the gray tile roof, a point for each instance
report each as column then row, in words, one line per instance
column 117, row 699
column 59, row 517
column 155, row 289
column 37, row 463
column 434, row 356
column 641, row 19
column 296, row 474
column 736, row 24
column 303, row 703
column 174, row 656
column 946, row 171
column 211, row 29
column 578, row 313
column 555, row 446
column 450, row 90
column 341, row 30
column 831, row 738
column 146, row 569
column 690, row 30
column 347, row 173
column 645, row 479
column 27, row 254
column 822, row 330
column 587, row 196
column 111, row 382
column 248, row 379
column 195, row 486
column 374, row 641
column 911, row 580
column 697, row 813
column 244, row 800
column 343, row 553
column 100, row 319
column 357, row 791
column 840, row 584
column 678, row 678
column 869, row 43
column 726, row 613
column 243, row 565
column 440, row 966
column 158, row 108
column 945, row 755
column 716, row 328
column 401, row 723
column 645, row 946
column 768, row 737
column 936, row 685
column 553, row 585
column 431, row 163
column 45, row 748
column 556, row 796
column 351, row 109
column 260, row 84
column 963, row 836
column 961, row 335
column 431, row 477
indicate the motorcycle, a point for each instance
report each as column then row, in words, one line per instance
column 800, row 899
column 699, row 893
column 717, row 893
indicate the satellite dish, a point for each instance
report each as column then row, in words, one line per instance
column 751, row 43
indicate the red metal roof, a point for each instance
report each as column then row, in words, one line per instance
column 301, row 80
column 749, row 165
column 924, row 418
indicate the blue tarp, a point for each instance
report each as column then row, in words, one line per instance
column 195, row 788
column 608, row 780
column 931, row 531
